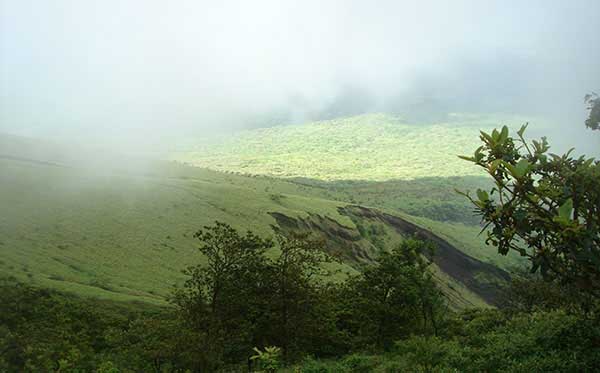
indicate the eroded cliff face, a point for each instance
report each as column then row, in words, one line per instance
column 342, row 241
column 374, row 231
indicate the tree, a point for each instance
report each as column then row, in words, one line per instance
column 241, row 298
column 224, row 298
column 386, row 301
column 155, row 343
column 544, row 206
column 528, row 293
column 297, row 291
column 593, row 120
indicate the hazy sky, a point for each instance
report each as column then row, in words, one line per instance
column 123, row 66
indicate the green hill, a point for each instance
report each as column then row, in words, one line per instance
column 372, row 147
column 125, row 234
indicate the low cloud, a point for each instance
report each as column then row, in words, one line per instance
column 134, row 71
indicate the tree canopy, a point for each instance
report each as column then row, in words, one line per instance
column 544, row 206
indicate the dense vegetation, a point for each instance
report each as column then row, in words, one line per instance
column 429, row 197
column 238, row 300
column 389, row 318
column 373, row 147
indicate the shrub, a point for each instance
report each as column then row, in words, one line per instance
column 268, row 360
column 358, row 363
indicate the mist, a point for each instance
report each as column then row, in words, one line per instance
column 148, row 72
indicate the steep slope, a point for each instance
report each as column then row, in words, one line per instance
column 374, row 231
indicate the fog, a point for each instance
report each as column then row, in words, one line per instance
column 135, row 72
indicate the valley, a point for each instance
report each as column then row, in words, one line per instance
column 373, row 147
column 126, row 233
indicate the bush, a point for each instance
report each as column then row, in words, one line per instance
column 268, row 360
column 312, row 365
column 554, row 340
column 358, row 363
column 430, row 352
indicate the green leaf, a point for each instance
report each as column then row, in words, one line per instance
column 467, row 158
column 478, row 156
column 521, row 168
column 564, row 211
column 545, row 146
column 555, row 158
column 534, row 198
column 511, row 169
column 482, row 195
column 494, row 165
column 486, row 137
column 495, row 135
column 569, row 152
column 536, row 264
column 522, row 130
column 504, row 134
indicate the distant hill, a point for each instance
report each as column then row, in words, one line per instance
column 126, row 234
column 373, row 147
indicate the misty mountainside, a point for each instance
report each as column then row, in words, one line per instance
column 126, row 234
column 374, row 147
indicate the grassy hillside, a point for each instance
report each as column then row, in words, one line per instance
column 118, row 235
column 125, row 234
column 432, row 197
column 366, row 147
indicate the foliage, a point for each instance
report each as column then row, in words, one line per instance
column 297, row 295
column 394, row 298
column 43, row 330
column 241, row 298
column 269, row 359
column 154, row 343
column 544, row 206
column 429, row 352
column 528, row 293
column 542, row 341
column 429, row 197
column 538, row 342
column 46, row 331
column 222, row 299
column 283, row 300
column 374, row 147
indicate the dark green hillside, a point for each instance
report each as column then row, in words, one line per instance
column 430, row 197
